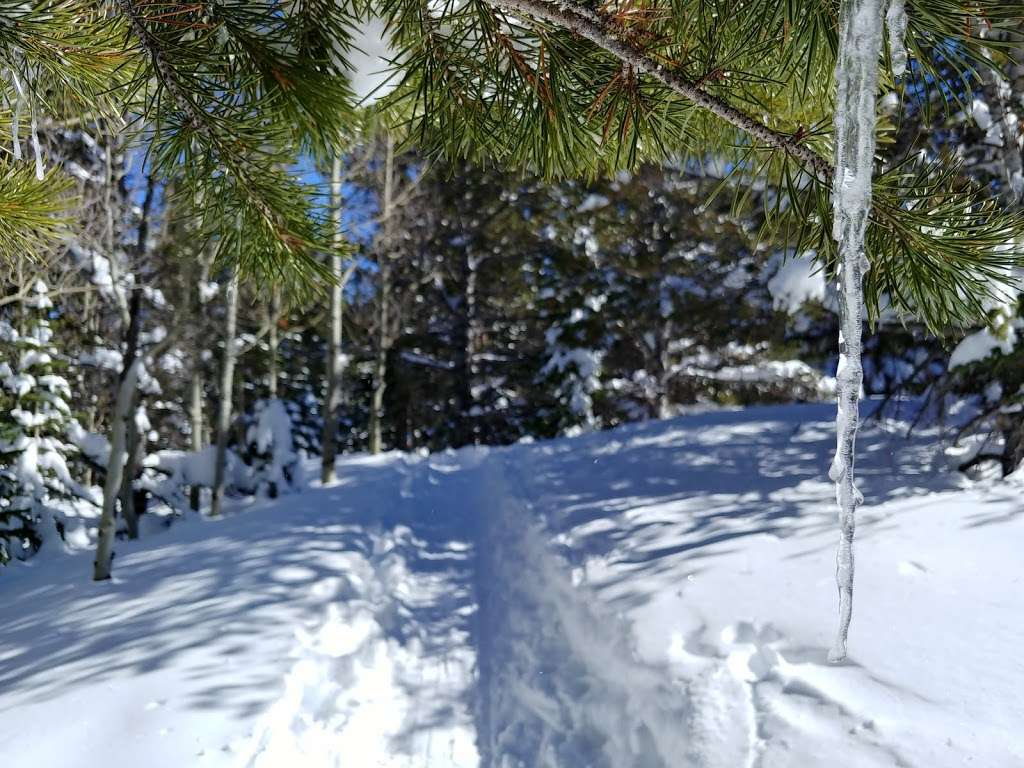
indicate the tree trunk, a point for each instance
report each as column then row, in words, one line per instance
column 195, row 412
column 89, row 320
column 131, row 517
column 118, row 440
column 273, row 342
column 467, row 431
column 131, row 465
column 383, row 331
column 226, row 385
column 662, row 343
column 332, row 399
column 195, row 407
column 381, row 365
column 115, row 468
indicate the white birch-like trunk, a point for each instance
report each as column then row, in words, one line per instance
column 115, row 469
column 383, row 334
column 133, row 445
column 332, row 398
column 227, row 379
column 195, row 406
column 195, row 415
column 860, row 45
column 273, row 342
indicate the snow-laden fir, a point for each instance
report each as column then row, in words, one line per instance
column 649, row 597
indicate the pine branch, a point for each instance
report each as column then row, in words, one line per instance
column 604, row 34
column 197, row 118
column 33, row 212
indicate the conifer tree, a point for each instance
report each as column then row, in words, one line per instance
column 34, row 456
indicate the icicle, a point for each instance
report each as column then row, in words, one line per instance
column 19, row 103
column 856, row 86
column 35, row 146
column 896, row 24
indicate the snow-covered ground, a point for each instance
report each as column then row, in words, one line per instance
column 659, row 595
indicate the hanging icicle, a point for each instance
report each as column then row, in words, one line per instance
column 860, row 45
column 23, row 97
column 896, row 26
column 35, row 145
column 19, row 104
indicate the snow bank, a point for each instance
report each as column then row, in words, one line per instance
column 370, row 62
column 797, row 280
column 656, row 595
column 979, row 345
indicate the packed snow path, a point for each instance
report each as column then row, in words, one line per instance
column 659, row 596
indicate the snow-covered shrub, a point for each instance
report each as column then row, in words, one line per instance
column 574, row 374
column 169, row 475
column 34, row 415
column 307, row 421
column 988, row 366
column 270, row 448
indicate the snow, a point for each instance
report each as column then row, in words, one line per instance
column 797, row 280
column 187, row 468
column 581, row 369
column 981, row 344
column 271, row 436
column 981, row 114
column 370, row 62
column 40, row 298
column 95, row 447
column 207, row 290
column 653, row 595
column 103, row 358
column 592, row 202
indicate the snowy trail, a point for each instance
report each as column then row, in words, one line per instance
column 711, row 539
column 559, row 686
column 387, row 679
column 443, row 648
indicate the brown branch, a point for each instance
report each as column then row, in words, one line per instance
column 598, row 30
column 26, row 293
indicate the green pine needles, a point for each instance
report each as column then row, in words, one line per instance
column 229, row 95
column 568, row 88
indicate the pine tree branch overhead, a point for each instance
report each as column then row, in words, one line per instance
column 745, row 86
column 603, row 33
column 240, row 89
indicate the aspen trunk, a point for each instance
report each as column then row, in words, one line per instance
column 195, row 406
column 380, row 365
column 332, row 398
column 131, row 465
column 115, row 468
column 195, row 411
column 226, row 385
column 465, row 352
column 383, row 332
column 134, row 309
column 118, row 444
column 273, row 342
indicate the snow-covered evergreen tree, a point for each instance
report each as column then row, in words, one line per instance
column 270, row 448
column 34, row 473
